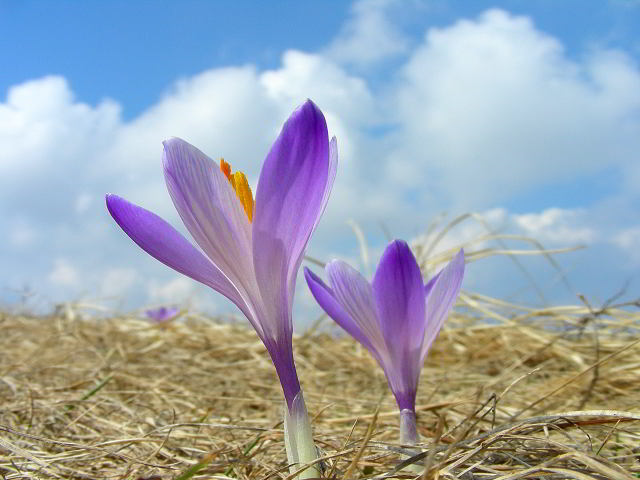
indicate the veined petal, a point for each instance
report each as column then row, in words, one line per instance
column 165, row 243
column 429, row 285
column 399, row 296
column 333, row 169
column 212, row 214
column 289, row 199
column 325, row 297
column 441, row 298
column 353, row 292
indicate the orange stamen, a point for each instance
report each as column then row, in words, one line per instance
column 226, row 169
column 240, row 185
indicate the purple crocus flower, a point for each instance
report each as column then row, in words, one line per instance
column 249, row 252
column 161, row 314
column 396, row 318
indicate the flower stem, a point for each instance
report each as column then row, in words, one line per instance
column 409, row 435
column 298, row 438
column 408, row 430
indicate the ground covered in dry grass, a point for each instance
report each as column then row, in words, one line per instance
column 532, row 394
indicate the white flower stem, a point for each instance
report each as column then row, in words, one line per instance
column 408, row 430
column 298, row 439
column 409, row 435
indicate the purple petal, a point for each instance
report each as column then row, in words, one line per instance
column 281, row 351
column 210, row 210
column 290, row 197
column 350, row 303
column 400, row 301
column 431, row 283
column 354, row 293
column 441, row 298
column 333, row 169
column 399, row 294
column 326, row 298
column 163, row 242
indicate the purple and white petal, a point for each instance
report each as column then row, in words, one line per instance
column 289, row 199
column 353, row 292
column 281, row 353
column 441, row 298
column 166, row 244
column 333, row 170
column 429, row 285
column 326, row 298
column 209, row 208
column 399, row 294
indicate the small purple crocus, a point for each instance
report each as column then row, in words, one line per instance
column 396, row 318
column 248, row 251
column 161, row 314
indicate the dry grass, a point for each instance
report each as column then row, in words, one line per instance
column 536, row 394
column 507, row 393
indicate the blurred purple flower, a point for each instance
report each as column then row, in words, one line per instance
column 161, row 314
column 250, row 253
column 396, row 318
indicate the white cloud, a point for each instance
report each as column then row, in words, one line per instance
column 368, row 36
column 492, row 107
column 553, row 227
column 557, row 226
column 64, row 274
column 116, row 282
column 184, row 291
column 628, row 240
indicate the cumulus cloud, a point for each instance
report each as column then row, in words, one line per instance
column 492, row 107
column 368, row 36
column 46, row 134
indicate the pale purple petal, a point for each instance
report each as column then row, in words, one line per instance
column 441, row 298
column 353, row 292
column 213, row 215
column 281, row 351
column 429, row 285
column 209, row 208
column 166, row 244
column 399, row 295
column 325, row 297
column 333, row 169
column 289, row 199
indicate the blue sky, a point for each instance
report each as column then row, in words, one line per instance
column 527, row 113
